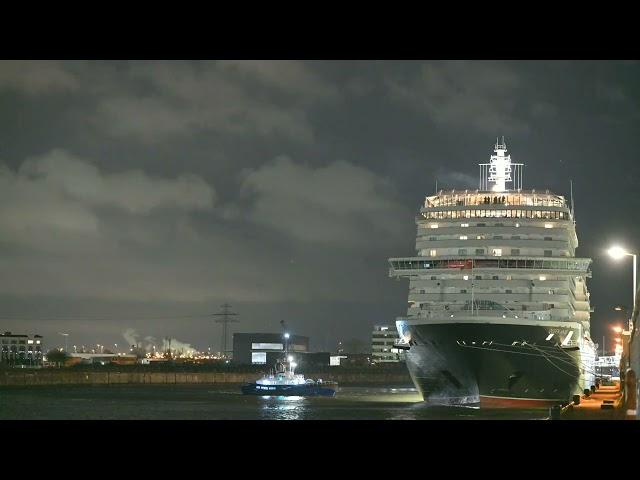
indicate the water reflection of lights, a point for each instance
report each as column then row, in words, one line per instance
column 283, row 407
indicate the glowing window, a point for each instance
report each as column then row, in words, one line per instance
column 433, row 253
column 465, row 277
column 434, row 225
column 267, row 346
column 464, row 224
column 463, row 237
column 548, row 225
column 542, row 278
column 497, row 252
column 258, row 358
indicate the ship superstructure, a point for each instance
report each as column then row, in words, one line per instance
column 498, row 307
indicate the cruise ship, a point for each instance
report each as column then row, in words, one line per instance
column 498, row 309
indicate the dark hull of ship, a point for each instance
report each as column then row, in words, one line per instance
column 494, row 365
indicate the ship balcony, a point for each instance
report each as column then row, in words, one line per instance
column 509, row 297
column 478, row 314
column 411, row 266
column 485, row 283
column 473, row 243
column 463, row 198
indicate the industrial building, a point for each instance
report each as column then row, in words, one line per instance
column 21, row 350
column 266, row 348
column 383, row 339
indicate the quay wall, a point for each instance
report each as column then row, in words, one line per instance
column 62, row 377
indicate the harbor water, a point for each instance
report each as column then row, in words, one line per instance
column 225, row 402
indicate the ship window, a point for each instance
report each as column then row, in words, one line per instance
column 548, row 225
column 497, row 237
column 508, row 291
column 465, row 277
column 515, row 251
column 463, row 237
column 479, row 251
column 462, row 251
column 496, row 252
column 482, row 225
column 463, row 291
column 478, row 277
column 433, row 278
column 548, row 238
column 515, row 237
column 464, row 224
column 495, row 277
column 434, row 225
column 547, row 253
column 433, row 238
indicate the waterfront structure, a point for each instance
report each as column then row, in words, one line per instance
column 498, row 306
column 383, row 341
column 21, row 349
column 265, row 348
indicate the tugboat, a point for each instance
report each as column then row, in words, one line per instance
column 283, row 381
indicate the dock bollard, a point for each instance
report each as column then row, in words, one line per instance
column 576, row 399
column 631, row 403
column 554, row 412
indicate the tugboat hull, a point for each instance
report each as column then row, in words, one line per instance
column 287, row 390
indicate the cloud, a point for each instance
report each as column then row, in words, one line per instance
column 480, row 95
column 448, row 180
column 59, row 193
column 232, row 97
column 132, row 190
column 337, row 203
column 35, row 77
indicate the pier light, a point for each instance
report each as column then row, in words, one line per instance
column 290, row 358
column 617, row 329
column 617, row 253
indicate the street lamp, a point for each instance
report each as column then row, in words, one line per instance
column 617, row 253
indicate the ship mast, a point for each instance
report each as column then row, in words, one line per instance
column 500, row 171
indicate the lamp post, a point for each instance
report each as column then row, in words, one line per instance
column 617, row 253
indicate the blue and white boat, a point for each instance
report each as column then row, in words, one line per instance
column 283, row 381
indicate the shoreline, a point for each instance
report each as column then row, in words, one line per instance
column 69, row 378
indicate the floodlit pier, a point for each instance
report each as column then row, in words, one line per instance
column 606, row 403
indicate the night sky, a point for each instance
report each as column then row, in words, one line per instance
column 143, row 195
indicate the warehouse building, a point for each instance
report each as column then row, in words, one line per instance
column 266, row 348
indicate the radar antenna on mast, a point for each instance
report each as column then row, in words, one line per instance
column 500, row 170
